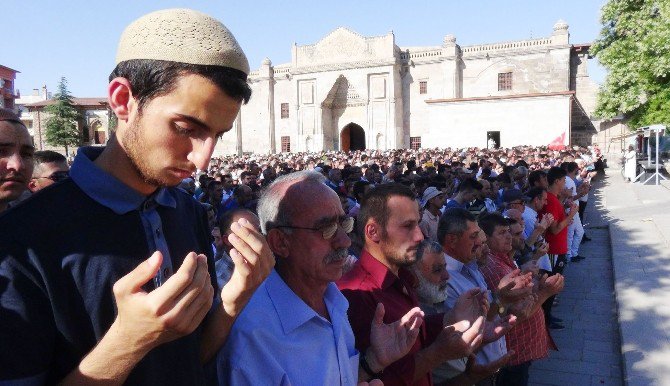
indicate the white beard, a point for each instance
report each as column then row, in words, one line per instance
column 430, row 293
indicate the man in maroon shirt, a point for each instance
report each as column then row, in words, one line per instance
column 389, row 222
column 557, row 233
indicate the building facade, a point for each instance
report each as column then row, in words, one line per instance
column 93, row 124
column 7, row 94
column 349, row 92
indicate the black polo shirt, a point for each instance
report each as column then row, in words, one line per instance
column 61, row 251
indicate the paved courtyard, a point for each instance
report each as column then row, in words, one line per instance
column 589, row 346
column 615, row 303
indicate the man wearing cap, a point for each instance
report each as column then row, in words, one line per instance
column 431, row 201
column 123, row 291
column 16, row 158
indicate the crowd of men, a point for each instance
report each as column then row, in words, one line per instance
column 404, row 267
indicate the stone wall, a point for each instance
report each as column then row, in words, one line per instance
column 370, row 81
column 523, row 121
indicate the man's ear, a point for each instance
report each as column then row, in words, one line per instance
column 373, row 231
column 120, row 98
column 278, row 242
column 32, row 185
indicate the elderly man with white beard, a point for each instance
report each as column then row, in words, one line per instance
column 431, row 272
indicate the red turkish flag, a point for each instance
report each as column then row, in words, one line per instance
column 558, row 143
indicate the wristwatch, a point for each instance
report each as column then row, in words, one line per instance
column 366, row 367
column 499, row 307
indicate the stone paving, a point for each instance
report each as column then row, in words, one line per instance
column 640, row 231
column 615, row 303
column 589, row 349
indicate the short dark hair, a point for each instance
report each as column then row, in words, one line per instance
column 554, row 174
column 569, row 167
column 375, row 203
column 535, row 176
column 153, row 78
column 226, row 219
column 453, row 221
column 48, row 156
column 490, row 221
column 534, row 193
column 469, row 185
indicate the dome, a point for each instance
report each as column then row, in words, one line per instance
column 561, row 25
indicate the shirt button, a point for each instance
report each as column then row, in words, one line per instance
column 158, row 232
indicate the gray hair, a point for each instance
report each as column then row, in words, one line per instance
column 454, row 221
column 427, row 246
column 272, row 207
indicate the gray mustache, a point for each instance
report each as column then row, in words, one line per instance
column 337, row 255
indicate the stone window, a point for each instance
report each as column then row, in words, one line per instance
column 504, row 81
column 423, row 87
column 284, row 110
column 286, row 144
column 415, row 143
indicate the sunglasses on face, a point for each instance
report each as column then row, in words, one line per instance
column 55, row 176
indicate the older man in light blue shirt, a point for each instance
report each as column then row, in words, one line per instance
column 295, row 329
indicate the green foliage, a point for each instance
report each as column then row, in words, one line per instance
column 61, row 127
column 634, row 45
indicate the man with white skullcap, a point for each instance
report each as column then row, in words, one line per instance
column 107, row 277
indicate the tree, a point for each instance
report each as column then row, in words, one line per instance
column 634, row 45
column 62, row 129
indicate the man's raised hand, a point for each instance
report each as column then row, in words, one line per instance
column 253, row 262
column 390, row 342
column 171, row 311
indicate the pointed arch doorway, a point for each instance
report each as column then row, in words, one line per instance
column 352, row 137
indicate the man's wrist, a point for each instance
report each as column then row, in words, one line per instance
column 370, row 364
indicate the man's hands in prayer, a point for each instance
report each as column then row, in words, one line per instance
column 469, row 306
column 458, row 340
column 147, row 320
column 514, row 286
column 476, row 372
column 522, row 308
column 545, row 223
column 253, row 262
column 390, row 342
column 550, row 285
column 496, row 329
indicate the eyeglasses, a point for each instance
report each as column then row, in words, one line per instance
column 55, row 176
column 328, row 231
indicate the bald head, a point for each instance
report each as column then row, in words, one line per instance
column 286, row 195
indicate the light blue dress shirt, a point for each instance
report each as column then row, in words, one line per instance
column 461, row 279
column 279, row 340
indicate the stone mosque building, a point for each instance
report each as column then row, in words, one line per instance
column 349, row 92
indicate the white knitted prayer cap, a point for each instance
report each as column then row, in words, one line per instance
column 181, row 35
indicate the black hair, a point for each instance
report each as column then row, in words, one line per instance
column 153, row 78
column 554, row 174
column 48, row 156
column 375, row 203
column 490, row 221
column 453, row 221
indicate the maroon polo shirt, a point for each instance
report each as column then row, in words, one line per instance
column 368, row 283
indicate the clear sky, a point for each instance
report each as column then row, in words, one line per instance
column 77, row 39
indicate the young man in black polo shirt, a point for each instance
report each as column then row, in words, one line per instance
column 107, row 277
